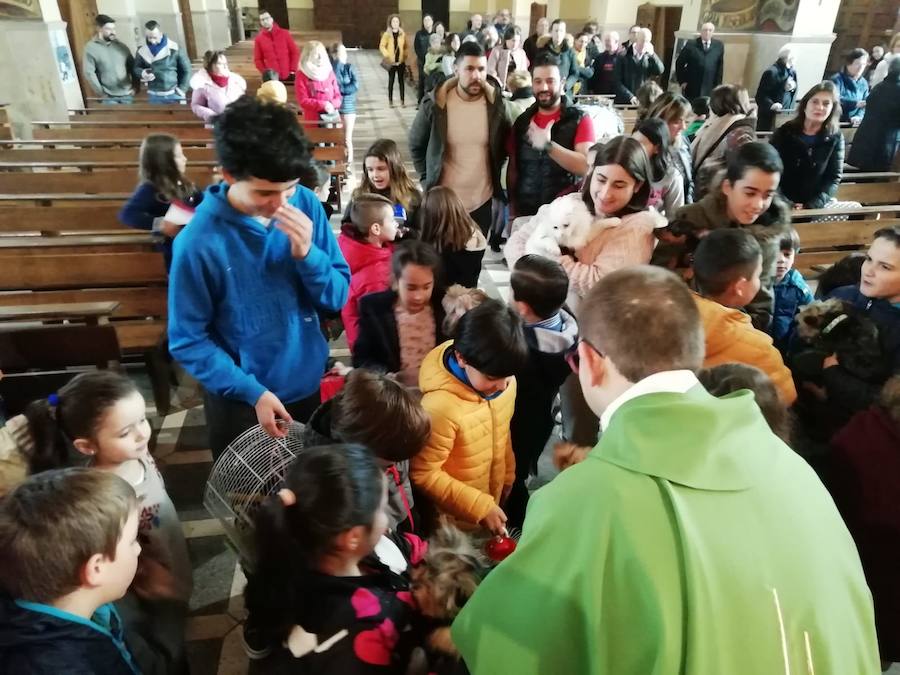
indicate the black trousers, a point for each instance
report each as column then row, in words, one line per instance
column 484, row 216
column 399, row 72
column 420, row 93
column 226, row 418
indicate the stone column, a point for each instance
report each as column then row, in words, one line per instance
column 219, row 31
column 202, row 29
column 38, row 80
column 748, row 54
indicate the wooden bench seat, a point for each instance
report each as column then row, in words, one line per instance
column 64, row 217
column 819, row 241
column 89, row 313
column 129, row 155
column 887, row 192
column 88, row 182
column 135, row 281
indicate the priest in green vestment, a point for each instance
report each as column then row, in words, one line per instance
column 690, row 541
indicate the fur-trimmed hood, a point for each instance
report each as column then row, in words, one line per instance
column 711, row 212
column 440, row 94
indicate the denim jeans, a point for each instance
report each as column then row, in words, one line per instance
column 118, row 100
column 174, row 97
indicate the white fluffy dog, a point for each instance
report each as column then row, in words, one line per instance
column 564, row 223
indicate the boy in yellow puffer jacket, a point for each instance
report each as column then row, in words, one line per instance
column 467, row 466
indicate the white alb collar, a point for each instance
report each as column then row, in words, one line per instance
column 669, row 381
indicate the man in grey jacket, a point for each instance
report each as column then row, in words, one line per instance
column 162, row 66
column 108, row 64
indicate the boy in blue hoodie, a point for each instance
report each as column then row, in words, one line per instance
column 68, row 550
column 250, row 272
column 791, row 290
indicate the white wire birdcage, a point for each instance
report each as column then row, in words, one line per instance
column 252, row 467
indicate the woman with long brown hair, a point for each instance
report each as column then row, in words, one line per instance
column 447, row 226
column 163, row 183
column 811, row 147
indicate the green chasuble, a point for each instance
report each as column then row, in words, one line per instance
column 690, row 541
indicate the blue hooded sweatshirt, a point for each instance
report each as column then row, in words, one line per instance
column 242, row 311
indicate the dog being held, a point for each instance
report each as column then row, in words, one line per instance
column 565, row 225
column 835, row 327
column 441, row 585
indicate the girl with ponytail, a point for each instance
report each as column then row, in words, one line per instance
column 99, row 419
column 42, row 438
column 316, row 586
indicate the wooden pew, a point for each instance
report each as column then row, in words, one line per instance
column 135, row 280
column 126, row 156
column 819, row 242
column 37, row 360
column 87, row 182
column 64, row 218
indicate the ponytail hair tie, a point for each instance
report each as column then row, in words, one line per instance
column 53, row 400
column 287, row 497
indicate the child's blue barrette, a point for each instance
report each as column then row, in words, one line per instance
column 53, row 400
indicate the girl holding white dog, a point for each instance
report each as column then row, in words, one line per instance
column 605, row 227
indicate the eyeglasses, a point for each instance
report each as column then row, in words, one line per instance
column 572, row 357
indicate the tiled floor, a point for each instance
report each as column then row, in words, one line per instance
column 214, row 645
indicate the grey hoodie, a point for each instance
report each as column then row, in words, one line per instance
column 107, row 67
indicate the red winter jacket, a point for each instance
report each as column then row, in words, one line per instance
column 277, row 50
column 312, row 94
column 370, row 272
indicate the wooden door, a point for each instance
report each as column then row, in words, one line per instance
column 361, row 22
column 187, row 22
column 538, row 11
column 278, row 10
column 79, row 16
column 861, row 23
column 662, row 22
column 439, row 10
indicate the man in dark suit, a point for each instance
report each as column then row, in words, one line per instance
column 699, row 65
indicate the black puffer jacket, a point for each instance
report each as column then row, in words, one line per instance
column 877, row 141
column 812, row 173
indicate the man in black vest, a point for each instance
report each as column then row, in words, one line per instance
column 699, row 65
column 548, row 145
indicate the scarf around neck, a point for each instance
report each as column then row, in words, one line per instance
column 709, row 135
column 317, row 73
column 157, row 48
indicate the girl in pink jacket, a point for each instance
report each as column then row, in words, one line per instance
column 214, row 87
column 367, row 244
column 316, row 87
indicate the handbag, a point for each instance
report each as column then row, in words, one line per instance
column 387, row 64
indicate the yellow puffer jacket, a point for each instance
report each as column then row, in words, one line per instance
column 468, row 459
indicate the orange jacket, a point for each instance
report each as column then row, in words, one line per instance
column 468, row 459
column 731, row 338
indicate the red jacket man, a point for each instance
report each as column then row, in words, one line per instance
column 275, row 48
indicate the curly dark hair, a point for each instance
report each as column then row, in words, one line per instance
column 255, row 139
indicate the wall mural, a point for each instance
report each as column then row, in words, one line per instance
column 20, row 9
column 766, row 16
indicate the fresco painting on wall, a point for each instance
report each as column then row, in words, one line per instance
column 20, row 9
column 766, row 16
